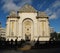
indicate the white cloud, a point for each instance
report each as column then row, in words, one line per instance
column 41, row 5
column 11, row 5
column 58, row 12
column 48, row 11
column 54, row 10
column 53, row 16
column 56, row 3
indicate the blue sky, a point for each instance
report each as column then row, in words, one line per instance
column 51, row 7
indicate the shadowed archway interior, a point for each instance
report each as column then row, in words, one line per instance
column 27, row 28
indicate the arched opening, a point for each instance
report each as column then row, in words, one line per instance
column 27, row 28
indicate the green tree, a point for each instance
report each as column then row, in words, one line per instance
column 58, row 36
column 53, row 36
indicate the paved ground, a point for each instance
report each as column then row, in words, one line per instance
column 54, row 49
column 51, row 50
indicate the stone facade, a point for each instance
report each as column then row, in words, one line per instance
column 2, row 31
column 28, row 23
